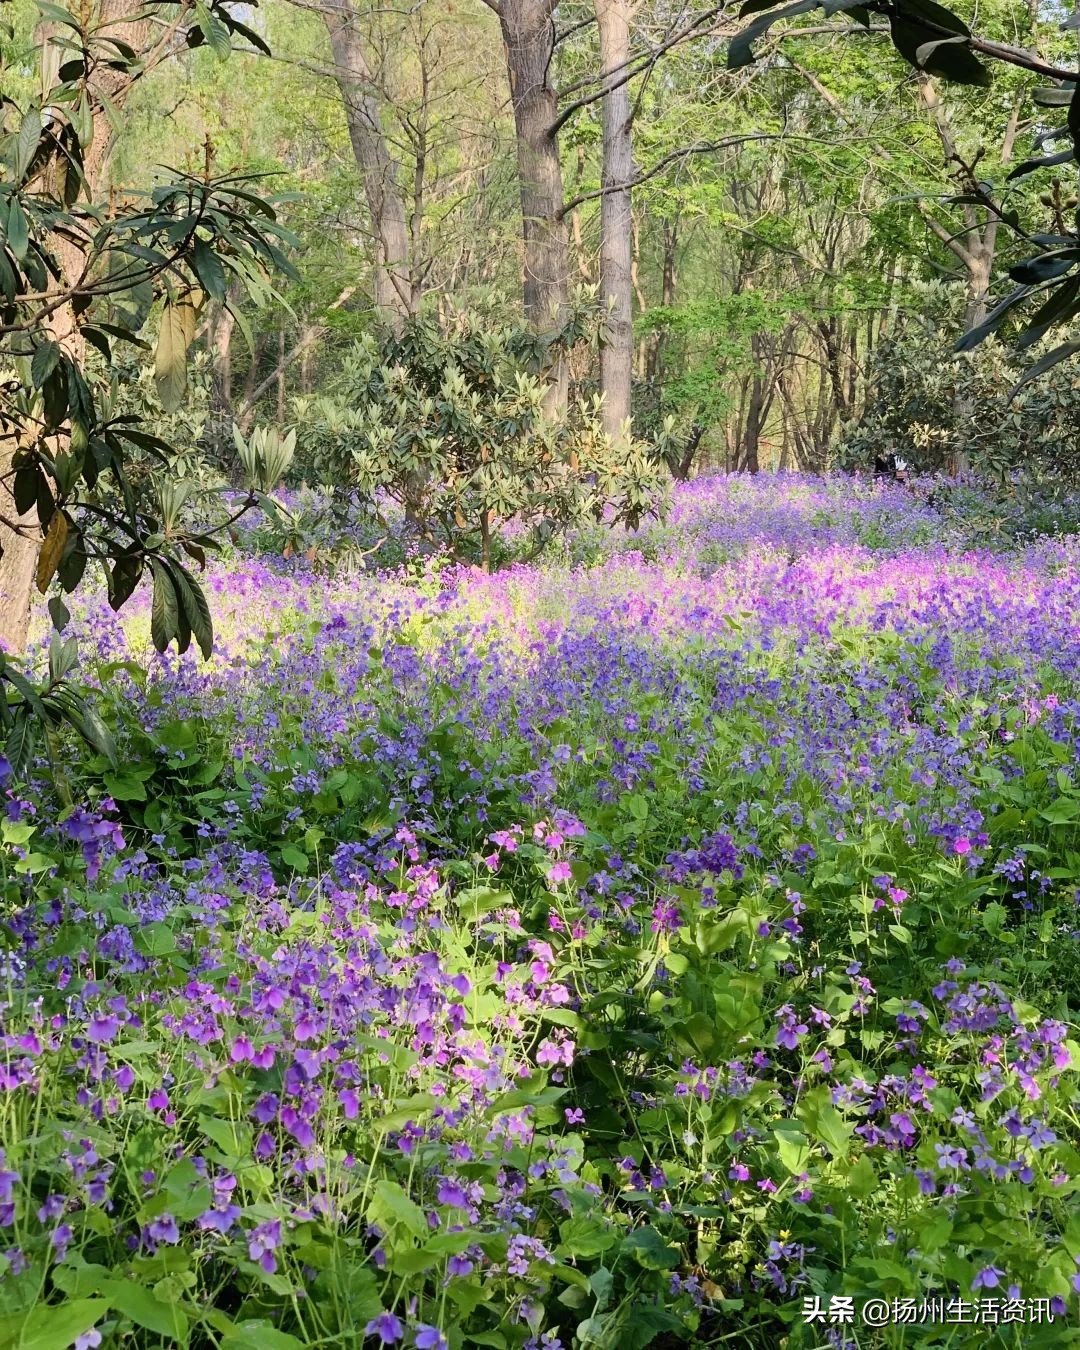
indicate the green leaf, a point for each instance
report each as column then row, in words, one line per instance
column 1052, row 358
column 792, row 1147
column 26, row 144
column 862, row 1179
column 650, row 1250
column 740, row 48
column 993, row 320
column 124, row 787
column 18, row 231
column 390, row 1207
column 207, row 267
column 170, row 357
column 213, row 30
column 164, row 609
column 56, row 1327
column 586, row 1237
column 194, row 606
column 139, row 1304
column 259, row 1336
column 1046, row 267
column 295, row 858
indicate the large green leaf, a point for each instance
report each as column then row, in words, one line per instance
column 56, row 1326
column 164, row 608
column 207, row 267
column 170, row 358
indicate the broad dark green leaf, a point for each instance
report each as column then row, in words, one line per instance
column 26, row 144
column 18, row 229
column 993, row 320
column 213, row 30
column 1046, row 267
column 164, row 607
column 1062, row 305
column 194, row 606
column 207, row 267
column 1045, row 162
column 20, row 742
column 740, row 48
column 1052, row 358
column 45, row 360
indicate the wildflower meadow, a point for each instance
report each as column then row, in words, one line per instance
column 672, row 941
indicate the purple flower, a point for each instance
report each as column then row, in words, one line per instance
column 387, row 1327
column 452, row 1193
column 60, row 1237
column 430, row 1338
column 102, row 1029
column 263, row 1241
column 988, row 1278
column 163, row 1229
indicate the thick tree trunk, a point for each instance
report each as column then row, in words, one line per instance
column 752, row 426
column 393, row 288
column 616, row 221
column 20, row 536
column 20, row 539
column 528, row 34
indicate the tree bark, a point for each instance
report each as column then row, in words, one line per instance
column 20, row 536
column 528, row 35
column 20, row 540
column 616, row 220
column 219, row 343
column 393, row 288
column 667, row 293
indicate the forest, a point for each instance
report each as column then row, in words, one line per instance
column 539, row 674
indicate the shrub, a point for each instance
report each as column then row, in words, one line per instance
column 451, row 424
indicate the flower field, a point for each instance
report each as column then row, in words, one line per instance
column 613, row 951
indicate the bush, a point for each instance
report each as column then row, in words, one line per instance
column 450, row 424
column 939, row 410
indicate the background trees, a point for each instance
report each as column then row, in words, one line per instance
column 752, row 233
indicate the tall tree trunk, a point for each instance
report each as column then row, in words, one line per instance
column 528, row 31
column 667, row 293
column 616, row 221
column 20, row 536
column 393, row 288
column 20, row 540
column 752, row 425
column 219, row 343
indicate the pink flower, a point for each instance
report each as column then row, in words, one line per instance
column 560, row 871
column 962, row 845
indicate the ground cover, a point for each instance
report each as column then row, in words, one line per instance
column 616, row 950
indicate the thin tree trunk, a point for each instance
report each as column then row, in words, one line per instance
column 667, row 294
column 219, row 341
column 528, row 35
column 393, row 288
column 616, row 221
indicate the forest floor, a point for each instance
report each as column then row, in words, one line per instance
column 660, row 944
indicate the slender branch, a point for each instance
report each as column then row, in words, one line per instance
column 630, row 70
column 706, row 148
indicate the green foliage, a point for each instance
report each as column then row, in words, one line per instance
column 79, row 273
column 936, row 409
column 450, row 423
column 936, row 41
